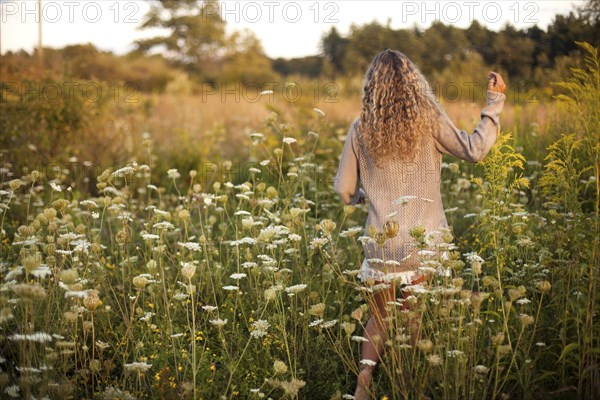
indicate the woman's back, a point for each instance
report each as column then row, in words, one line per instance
column 408, row 192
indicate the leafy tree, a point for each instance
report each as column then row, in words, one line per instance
column 514, row 52
column 442, row 44
column 591, row 12
column 481, row 40
column 245, row 60
column 565, row 30
column 408, row 41
column 333, row 48
column 364, row 43
column 196, row 39
column 310, row 66
column 540, row 52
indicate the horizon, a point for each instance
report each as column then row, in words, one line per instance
column 272, row 22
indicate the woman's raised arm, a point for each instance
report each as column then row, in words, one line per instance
column 451, row 140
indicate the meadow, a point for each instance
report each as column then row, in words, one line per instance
column 178, row 248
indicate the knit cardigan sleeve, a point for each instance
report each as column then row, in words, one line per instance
column 451, row 140
column 346, row 181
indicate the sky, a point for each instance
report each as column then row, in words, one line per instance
column 285, row 28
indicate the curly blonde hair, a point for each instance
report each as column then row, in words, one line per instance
column 398, row 108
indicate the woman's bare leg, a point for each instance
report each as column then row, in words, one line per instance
column 413, row 324
column 375, row 333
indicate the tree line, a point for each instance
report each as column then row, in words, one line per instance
column 197, row 50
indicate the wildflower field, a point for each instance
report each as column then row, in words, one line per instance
column 160, row 278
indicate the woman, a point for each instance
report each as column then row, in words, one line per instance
column 394, row 151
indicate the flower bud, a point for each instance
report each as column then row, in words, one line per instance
column 425, row 345
column 69, row 276
column 317, row 310
column 50, row 213
column 279, row 367
column 15, row 184
column 349, row 209
column 526, row 319
column 327, row 225
column 92, row 300
column 140, row 282
column 357, row 314
column 544, row 286
column 270, row 294
column 391, row 229
column 188, row 270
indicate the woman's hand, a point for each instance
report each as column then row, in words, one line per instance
column 496, row 83
column 359, row 198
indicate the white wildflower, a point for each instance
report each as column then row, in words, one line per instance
column 329, row 324
column 161, row 212
column 317, row 243
column 55, row 187
column 190, row 246
column 12, row 391
column 139, row 367
column 454, row 353
column 173, row 174
column 296, row 288
column 260, row 328
column 164, row 225
column 88, row 203
column 246, row 240
column 294, row 237
column 123, row 172
column 218, row 322
column 38, row 337
column 481, row 369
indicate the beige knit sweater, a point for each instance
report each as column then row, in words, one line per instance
column 409, row 192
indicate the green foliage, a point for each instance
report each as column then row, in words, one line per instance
column 497, row 187
column 561, row 181
column 196, row 33
column 87, row 63
column 57, row 125
column 574, row 169
column 333, row 48
column 583, row 100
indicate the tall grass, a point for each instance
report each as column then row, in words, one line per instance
column 167, row 284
